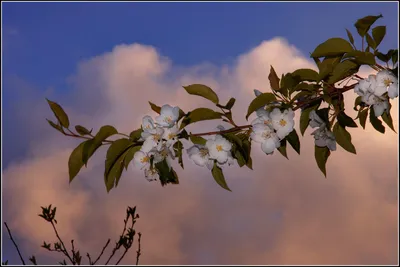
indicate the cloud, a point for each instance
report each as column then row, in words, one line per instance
column 283, row 212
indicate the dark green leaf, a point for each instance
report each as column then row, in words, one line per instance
column 395, row 57
column 167, row 175
column 371, row 43
column 238, row 156
column 294, row 141
column 350, row 36
column 289, row 83
column 381, row 56
column 327, row 65
column 260, row 101
column 178, row 147
column 183, row 134
column 363, row 25
column 376, row 123
column 55, row 126
column 323, row 113
column 273, row 79
column 306, row 75
column 130, row 154
column 60, row 114
column 230, row 103
column 282, row 148
column 202, row 90
column 115, row 161
column 82, row 130
column 360, row 57
column 219, row 176
column 343, row 138
column 357, row 102
column 362, row 116
column 92, row 145
column 197, row 140
column 75, row 161
column 200, row 114
column 387, row 118
column 344, row 120
column 343, row 70
column 155, row 108
column 332, row 47
column 321, row 156
column 304, row 120
column 136, row 134
column 378, row 33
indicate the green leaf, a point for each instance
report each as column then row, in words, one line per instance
column 167, row 175
column 362, row 116
column 219, row 176
column 327, row 65
column 260, row 101
column 371, row 43
column 75, row 161
column 360, row 57
column 238, row 156
column 343, row 138
column 343, row 70
column 395, row 57
column 378, row 33
column 93, row 144
column 115, row 161
column 357, row 102
column 363, row 25
column 247, row 155
column 82, row 130
column 304, row 120
column 376, row 123
column 200, row 114
column 381, row 56
column 130, row 154
column 178, row 147
column 306, row 87
column 198, row 140
column 332, row 47
column 282, row 148
column 202, row 90
column 230, row 103
column 60, row 114
column 155, row 108
column 323, row 113
column 273, row 79
column 306, row 75
column 55, row 126
column 294, row 141
column 321, row 156
column 387, row 118
column 289, row 83
column 344, row 120
column 136, row 134
column 350, row 36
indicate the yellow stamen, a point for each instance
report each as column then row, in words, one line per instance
column 266, row 135
column 144, row 159
column 282, row 122
column 168, row 119
column 219, row 148
column 203, row 152
column 171, row 136
column 387, row 82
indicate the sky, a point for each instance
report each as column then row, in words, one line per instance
column 103, row 61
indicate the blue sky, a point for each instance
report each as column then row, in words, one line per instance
column 45, row 41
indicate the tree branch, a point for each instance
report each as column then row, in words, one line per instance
column 15, row 244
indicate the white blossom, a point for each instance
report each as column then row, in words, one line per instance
column 152, row 139
column 168, row 116
column 283, row 122
column 323, row 137
column 151, row 174
column 315, row 120
column 219, row 148
column 171, row 135
column 262, row 133
column 141, row 160
column 200, row 156
column 263, row 117
column 386, row 81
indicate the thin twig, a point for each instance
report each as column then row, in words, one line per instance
column 102, row 251
column 139, row 251
column 234, row 129
column 15, row 244
column 62, row 243
column 90, row 259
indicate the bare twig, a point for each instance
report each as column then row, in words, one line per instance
column 62, row 243
column 102, row 251
column 15, row 244
column 139, row 251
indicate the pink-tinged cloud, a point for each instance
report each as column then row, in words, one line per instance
column 282, row 212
